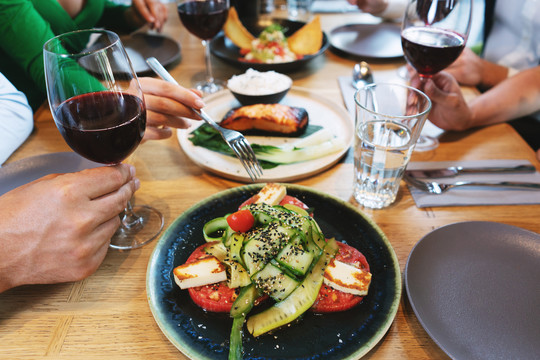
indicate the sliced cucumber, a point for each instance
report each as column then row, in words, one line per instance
column 218, row 250
column 264, row 245
column 274, row 282
column 295, row 257
column 238, row 276
column 216, row 229
column 297, row 302
column 245, row 301
column 296, row 209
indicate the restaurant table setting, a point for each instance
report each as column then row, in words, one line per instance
column 454, row 275
column 478, row 195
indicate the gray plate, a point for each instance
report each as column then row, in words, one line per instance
column 475, row 288
column 26, row 170
column 369, row 41
column 141, row 46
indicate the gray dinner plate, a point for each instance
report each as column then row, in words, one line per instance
column 370, row 41
column 32, row 168
column 141, row 46
column 475, row 288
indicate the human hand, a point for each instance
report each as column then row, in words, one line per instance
column 468, row 68
column 58, row 228
column 449, row 110
column 167, row 106
column 370, row 6
column 152, row 12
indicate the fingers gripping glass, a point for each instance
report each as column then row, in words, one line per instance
column 98, row 107
column 433, row 35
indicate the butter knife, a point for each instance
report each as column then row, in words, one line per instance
column 457, row 170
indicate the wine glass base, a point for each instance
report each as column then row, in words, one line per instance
column 210, row 87
column 426, row 143
column 146, row 229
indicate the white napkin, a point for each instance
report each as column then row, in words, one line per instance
column 473, row 195
column 332, row 6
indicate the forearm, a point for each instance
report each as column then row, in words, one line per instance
column 492, row 74
column 514, row 97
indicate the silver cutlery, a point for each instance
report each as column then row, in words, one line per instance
column 236, row 141
column 437, row 188
column 457, row 170
column 362, row 75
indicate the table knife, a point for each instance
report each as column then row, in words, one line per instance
column 452, row 171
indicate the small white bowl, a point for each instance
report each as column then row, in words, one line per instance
column 254, row 87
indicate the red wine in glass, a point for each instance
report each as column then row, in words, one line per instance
column 98, row 106
column 90, row 125
column 203, row 19
column 430, row 50
column 433, row 35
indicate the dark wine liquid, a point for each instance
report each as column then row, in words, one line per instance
column 430, row 50
column 104, row 127
column 203, row 19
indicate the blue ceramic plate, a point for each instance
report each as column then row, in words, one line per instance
column 344, row 335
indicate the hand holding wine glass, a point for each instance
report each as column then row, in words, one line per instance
column 433, row 35
column 98, row 107
column 204, row 19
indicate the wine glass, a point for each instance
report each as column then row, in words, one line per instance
column 98, row 107
column 204, row 19
column 433, row 35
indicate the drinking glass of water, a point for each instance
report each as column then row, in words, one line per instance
column 389, row 119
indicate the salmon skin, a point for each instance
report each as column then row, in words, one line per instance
column 267, row 119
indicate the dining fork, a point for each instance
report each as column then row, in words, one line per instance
column 236, row 141
column 436, row 188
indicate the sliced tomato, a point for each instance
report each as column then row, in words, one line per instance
column 288, row 199
column 216, row 297
column 331, row 300
column 241, row 220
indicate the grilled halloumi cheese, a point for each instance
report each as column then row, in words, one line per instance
column 271, row 194
column 276, row 119
column 347, row 278
column 204, row 271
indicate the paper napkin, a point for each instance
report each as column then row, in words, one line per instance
column 473, row 195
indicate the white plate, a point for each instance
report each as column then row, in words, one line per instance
column 321, row 112
column 474, row 287
column 32, row 168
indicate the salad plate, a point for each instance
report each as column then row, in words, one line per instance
column 32, row 168
column 224, row 49
column 321, row 112
column 342, row 335
column 474, row 288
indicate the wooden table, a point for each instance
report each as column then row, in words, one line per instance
column 107, row 315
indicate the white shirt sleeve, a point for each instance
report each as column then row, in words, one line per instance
column 394, row 11
column 16, row 119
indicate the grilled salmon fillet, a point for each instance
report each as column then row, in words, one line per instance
column 275, row 119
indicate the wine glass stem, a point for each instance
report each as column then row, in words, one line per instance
column 209, row 74
column 130, row 220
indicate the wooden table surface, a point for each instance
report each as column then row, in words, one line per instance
column 107, row 316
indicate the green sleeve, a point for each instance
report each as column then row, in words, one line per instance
column 23, row 32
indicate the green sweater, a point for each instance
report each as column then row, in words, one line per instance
column 25, row 26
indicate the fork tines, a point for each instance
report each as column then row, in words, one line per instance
column 247, row 157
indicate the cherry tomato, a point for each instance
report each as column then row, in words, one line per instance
column 241, row 221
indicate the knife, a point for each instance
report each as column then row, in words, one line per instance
column 457, row 170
